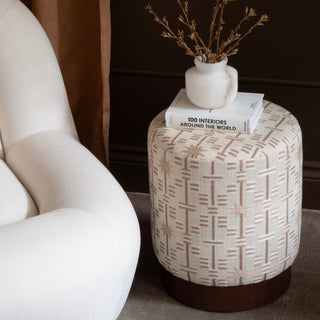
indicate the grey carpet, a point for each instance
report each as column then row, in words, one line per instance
column 148, row 300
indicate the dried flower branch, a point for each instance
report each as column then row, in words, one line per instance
column 231, row 50
column 192, row 27
column 202, row 51
column 233, row 36
column 224, row 2
column 179, row 37
column 213, row 22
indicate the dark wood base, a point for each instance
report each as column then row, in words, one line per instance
column 226, row 299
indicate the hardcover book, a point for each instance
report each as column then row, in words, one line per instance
column 241, row 115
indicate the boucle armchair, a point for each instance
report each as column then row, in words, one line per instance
column 69, row 237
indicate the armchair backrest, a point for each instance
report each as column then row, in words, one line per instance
column 32, row 93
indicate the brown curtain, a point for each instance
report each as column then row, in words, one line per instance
column 79, row 31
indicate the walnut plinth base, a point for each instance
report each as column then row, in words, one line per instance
column 226, row 299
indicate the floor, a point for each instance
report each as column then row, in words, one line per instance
column 148, row 300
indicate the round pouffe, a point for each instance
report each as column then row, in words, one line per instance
column 226, row 210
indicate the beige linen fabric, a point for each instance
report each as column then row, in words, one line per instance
column 226, row 207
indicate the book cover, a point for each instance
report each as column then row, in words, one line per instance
column 241, row 115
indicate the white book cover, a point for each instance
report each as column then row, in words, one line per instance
column 241, row 115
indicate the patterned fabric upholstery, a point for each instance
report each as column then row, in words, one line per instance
column 226, row 207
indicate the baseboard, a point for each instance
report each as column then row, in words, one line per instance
column 311, row 170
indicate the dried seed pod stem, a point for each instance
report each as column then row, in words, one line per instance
column 213, row 22
column 169, row 33
column 233, row 36
column 260, row 22
column 201, row 51
column 220, row 26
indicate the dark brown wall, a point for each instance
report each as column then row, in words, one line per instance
column 280, row 60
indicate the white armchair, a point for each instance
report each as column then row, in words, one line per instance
column 69, row 237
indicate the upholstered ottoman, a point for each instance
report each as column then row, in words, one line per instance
column 226, row 210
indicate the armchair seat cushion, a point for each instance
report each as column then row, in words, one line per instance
column 78, row 255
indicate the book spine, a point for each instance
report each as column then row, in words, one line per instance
column 253, row 122
column 184, row 121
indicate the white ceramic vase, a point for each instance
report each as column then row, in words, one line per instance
column 211, row 85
